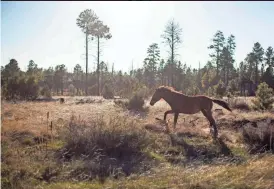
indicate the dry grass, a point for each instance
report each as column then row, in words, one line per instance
column 239, row 104
column 257, row 173
column 189, row 159
column 32, row 117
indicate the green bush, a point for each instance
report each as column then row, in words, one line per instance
column 33, row 88
column 28, row 88
column 232, row 87
column 220, row 89
column 46, row 91
column 264, row 97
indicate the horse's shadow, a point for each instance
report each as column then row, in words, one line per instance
column 191, row 147
column 210, row 153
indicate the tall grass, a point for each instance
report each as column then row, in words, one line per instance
column 238, row 103
column 106, row 147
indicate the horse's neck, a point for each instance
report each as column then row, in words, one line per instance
column 169, row 97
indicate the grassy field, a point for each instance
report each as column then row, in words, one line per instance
column 101, row 145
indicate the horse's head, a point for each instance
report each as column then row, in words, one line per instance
column 158, row 95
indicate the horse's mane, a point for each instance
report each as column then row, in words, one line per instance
column 167, row 88
column 172, row 90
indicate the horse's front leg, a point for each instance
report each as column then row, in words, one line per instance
column 167, row 112
column 176, row 114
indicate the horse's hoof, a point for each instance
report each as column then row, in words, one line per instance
column 213, row 133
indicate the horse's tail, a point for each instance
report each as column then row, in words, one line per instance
column 222, row 103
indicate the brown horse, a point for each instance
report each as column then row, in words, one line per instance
column 181, row 103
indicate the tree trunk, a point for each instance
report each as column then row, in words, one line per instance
column 172, row 60
column 250, row 89
column 227, row 74
column 86, row 63
column 98, row 65
column 224, row 76
column 217, row 64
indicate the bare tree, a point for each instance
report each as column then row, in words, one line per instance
column 101, row 32
column 87, row 21
column 172, row 38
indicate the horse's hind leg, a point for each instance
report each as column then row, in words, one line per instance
column 167, row 112
column 212, row 122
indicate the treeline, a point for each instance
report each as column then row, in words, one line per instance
column 218, row 76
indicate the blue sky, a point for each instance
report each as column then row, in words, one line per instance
column 46, row 32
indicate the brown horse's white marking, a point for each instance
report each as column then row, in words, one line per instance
column 181, row 103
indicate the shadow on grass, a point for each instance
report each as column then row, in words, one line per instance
column 197, row 149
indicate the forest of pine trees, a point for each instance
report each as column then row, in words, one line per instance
column 219, row 75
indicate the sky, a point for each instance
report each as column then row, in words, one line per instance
column 46, row 32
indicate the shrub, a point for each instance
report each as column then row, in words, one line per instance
column 122, row 103
column 237, row 103
column 106, row 147
column 72, row 90
column 136, row 102
column 28, row 88
column 192, row 91
column 92, row 90
column 264, row 97
column 46, row 91
column 259, row 136
column 229, row 95
column 232, row 86
column 220, row 89
column 143, row 91
column 210, row 91
column 237, row 93
column 107, row 92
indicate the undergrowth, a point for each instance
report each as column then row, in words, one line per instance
column 106, row 147
column 117, row 150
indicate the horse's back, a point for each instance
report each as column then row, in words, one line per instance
column 205, row 102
